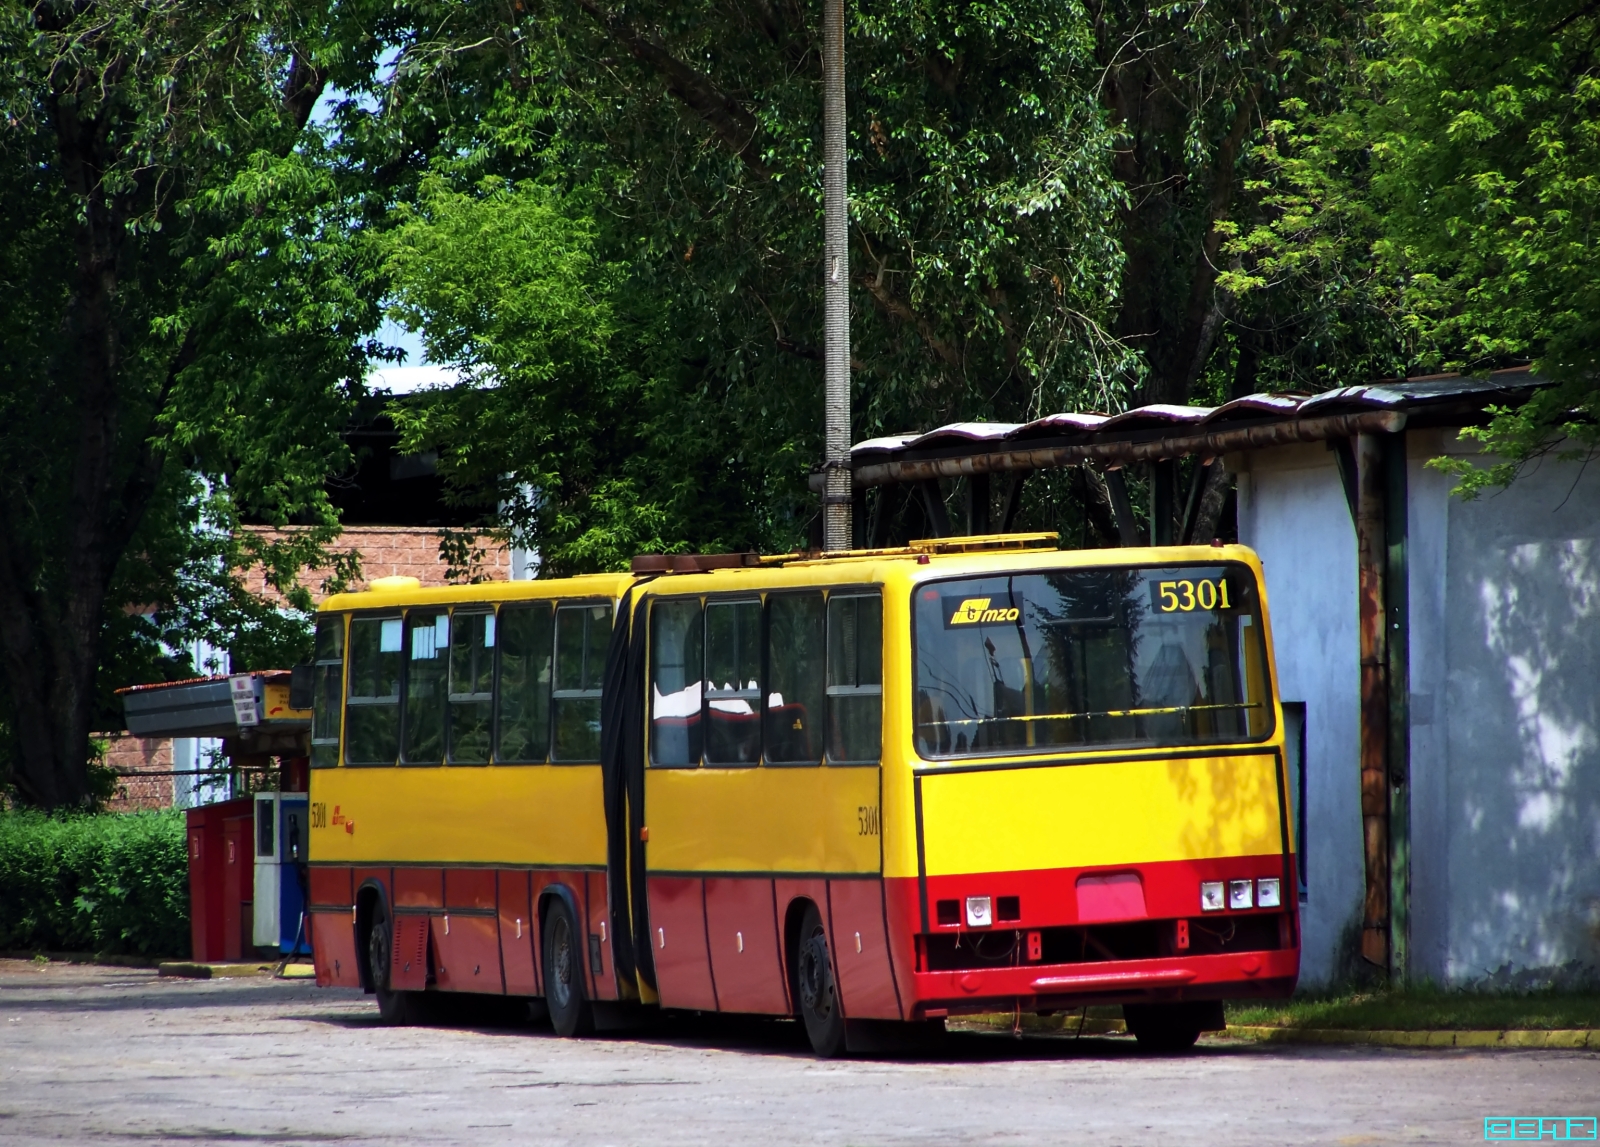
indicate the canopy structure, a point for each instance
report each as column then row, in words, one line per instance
column 1160, row 435
column 252, row 712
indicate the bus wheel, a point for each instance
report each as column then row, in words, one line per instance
column 1163, row 1028
column 819, row 1000
column 393, row 1007
column 570, row 1013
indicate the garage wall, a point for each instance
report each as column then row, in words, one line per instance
column 1292, row 511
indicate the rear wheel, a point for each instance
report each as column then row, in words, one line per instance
column 393, row 1007
column 1165, row 1028
column 815, row 990
column 570, row 1013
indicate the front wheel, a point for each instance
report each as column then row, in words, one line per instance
column 816, row 992
column 570, row 1013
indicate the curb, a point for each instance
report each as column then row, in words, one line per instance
column 192, row 971
column 1578, row 1040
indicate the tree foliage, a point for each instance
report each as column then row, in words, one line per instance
column 185, row 311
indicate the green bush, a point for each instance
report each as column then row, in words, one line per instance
column 110, row 883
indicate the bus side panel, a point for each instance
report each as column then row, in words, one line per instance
column 903, row 908
column 333, row 947
column 678, row 932
column 330, row 887
column 418, row 888
column 408, row 970
column 602, row 976
column 516, row 934
column 467, row 952
column 861, row 950
column 743, row 933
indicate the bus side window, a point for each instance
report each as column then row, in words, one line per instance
column 732, row 682
column 676, row 644
column 471, row 693
column 582, row 632
column 855, row 678
column 427, row 665
column 327, row 684
column 796, row 642
column 522, row 696
column 372, row 703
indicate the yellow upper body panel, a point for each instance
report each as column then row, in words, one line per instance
column 783, row 818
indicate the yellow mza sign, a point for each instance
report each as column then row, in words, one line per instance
column 976, row 610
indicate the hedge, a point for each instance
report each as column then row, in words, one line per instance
column 110, row 883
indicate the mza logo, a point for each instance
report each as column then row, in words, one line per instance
column 977, row 611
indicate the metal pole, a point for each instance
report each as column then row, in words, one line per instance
column 836, row 497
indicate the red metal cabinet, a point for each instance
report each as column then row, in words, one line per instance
column 209, row 887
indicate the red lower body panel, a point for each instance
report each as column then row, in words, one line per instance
column 517, row 935
column 678, row 937
column 867, row 987
column 333, row 947
column 466, row 952
column 746, row 956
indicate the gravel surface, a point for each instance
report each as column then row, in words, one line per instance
column 118, row 1055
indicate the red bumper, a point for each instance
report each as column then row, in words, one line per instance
column 1035, row 987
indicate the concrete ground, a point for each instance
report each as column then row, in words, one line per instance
column 115, row 1055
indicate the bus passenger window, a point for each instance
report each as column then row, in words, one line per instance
column 675, row 666
column 796, row 633
column 427, row 664
column 733, row 688
column 327, row 682
column 523, row 638
column 471, row 687
column 372, row 704
column 582, row 633
column 855, row 678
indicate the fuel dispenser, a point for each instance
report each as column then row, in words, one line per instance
column 281, row 872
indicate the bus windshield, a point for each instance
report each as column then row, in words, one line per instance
column 1074, row 658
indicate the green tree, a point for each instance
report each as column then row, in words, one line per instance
column 185, row 315
column 1441, row 198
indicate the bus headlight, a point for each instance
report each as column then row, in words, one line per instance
column 1239, row 893
column 1211, row 896
column 979, row 914
column 1267, row 892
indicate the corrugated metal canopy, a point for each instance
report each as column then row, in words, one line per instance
column 1164, row 431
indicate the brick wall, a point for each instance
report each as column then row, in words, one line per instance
column 387, row 551
column 129, row 754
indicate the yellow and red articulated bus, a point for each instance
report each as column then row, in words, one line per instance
column 871, row 790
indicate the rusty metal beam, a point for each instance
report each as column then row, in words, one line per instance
column 1372, row 559
column 1210, row 445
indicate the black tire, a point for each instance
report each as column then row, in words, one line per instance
column 815, row 992
column 1164, row 1029
column 393, row 1007
column 570, row 1013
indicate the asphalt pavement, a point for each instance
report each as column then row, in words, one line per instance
column 119, row 1056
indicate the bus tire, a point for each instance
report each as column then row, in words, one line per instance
column 1163, row 1029
column 570, row 1013
column 394, row 1007
column 815, row 990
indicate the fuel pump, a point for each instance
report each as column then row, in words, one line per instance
column 281, row 872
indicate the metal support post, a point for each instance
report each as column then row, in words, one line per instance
column 836, row 499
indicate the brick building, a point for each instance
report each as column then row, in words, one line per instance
column 395, row 516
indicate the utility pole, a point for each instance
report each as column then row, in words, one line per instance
column 836, row 497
